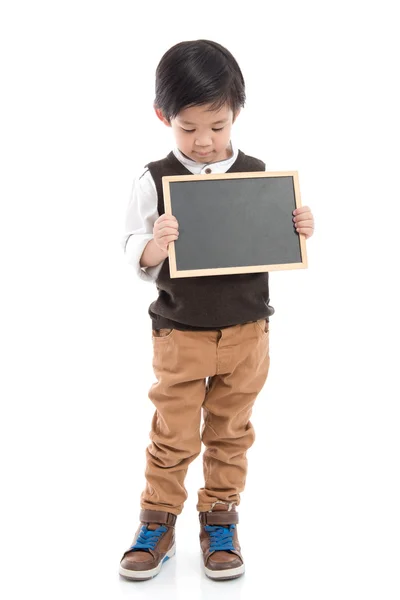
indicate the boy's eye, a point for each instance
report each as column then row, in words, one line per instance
column 191, row 130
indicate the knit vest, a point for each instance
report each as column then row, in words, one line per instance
column 207, row 302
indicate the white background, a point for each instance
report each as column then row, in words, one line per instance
column 319, row 516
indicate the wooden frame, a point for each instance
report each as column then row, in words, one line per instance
column 175, row 272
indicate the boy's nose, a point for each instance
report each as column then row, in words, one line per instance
column 203, row 143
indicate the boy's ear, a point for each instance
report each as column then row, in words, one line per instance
column 236, row 116
column 161, row 116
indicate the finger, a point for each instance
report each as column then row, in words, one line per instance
column 166, row 225
column 303, row 220
column 166, row 217
column 307, row 231
column 303, row 217
column 166, row 230
column 168, row 239
column 163, row 233
column 301, row 209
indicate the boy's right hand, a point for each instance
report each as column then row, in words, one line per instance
column 165, row 231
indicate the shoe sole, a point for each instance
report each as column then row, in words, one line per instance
column 225, row 574
column 149, row 574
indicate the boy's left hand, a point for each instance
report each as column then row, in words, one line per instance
column 304, row 221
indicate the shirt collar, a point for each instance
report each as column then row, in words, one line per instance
column 197, row 167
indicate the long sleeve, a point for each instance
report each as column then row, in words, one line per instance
column 141, row 214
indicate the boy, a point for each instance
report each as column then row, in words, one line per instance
column 210, row 334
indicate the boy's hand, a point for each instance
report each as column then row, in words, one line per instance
column 304, row 221
column 165, row 230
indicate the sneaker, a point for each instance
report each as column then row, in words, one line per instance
column 220, row 544
column 153, row 545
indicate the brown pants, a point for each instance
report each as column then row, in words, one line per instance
column 236, row 361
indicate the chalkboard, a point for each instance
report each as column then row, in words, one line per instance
column 234, row 223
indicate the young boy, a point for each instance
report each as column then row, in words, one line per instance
column 210, row 334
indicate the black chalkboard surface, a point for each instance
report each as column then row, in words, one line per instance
column 234, row 223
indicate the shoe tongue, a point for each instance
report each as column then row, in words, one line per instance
column 218, row 507
column 153, row 526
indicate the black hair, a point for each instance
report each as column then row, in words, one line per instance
column 198, row 72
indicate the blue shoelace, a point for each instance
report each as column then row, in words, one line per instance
column 221, row 537
column 148, row 538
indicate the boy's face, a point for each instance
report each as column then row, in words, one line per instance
column 201, row 134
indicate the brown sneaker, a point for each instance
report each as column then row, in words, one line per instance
column 220, row 544
column 153, row 544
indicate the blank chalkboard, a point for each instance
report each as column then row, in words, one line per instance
column 234, row 223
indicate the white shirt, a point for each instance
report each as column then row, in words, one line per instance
column 142, row 211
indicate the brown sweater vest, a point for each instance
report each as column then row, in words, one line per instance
column 209, row 302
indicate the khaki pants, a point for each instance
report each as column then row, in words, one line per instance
column 236, row 361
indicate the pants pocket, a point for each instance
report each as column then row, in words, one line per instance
column 263, row 325
column 162, row 333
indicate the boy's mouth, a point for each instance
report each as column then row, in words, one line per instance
column 203, row 153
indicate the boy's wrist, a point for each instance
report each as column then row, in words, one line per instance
column 152, row 255
column 163, row 253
